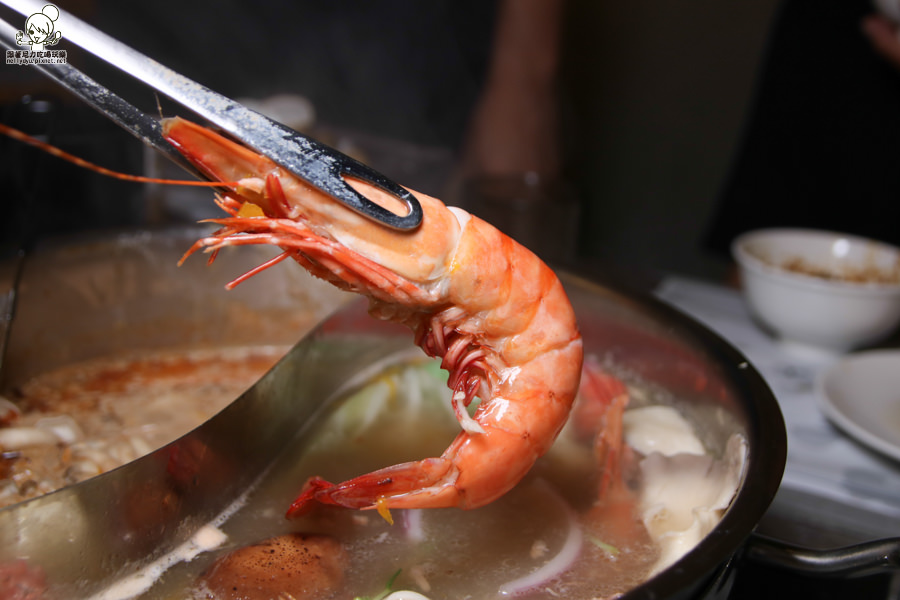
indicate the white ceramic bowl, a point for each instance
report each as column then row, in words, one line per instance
column 819, row 288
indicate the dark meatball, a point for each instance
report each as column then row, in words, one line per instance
column 303, row 566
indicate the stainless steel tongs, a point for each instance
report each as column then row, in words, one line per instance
column 314, row 162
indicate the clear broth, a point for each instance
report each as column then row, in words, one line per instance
column 442, row 553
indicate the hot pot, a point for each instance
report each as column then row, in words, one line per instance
column 99, row 296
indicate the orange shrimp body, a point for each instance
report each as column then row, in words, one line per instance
column 495, row 313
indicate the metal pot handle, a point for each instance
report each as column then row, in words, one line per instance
column 869, row 558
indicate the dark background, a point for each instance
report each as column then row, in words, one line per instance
column 656, row 100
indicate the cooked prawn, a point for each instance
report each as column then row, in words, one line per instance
column 495, row 313
column 614, row 517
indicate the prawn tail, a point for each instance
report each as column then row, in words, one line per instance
column 427, row 483
column 307, row 498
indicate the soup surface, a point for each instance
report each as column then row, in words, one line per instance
column 555, row 535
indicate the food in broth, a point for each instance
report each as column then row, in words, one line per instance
column 549, row 537
column 81, row 420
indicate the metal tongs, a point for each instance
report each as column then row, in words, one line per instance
column 319, row 165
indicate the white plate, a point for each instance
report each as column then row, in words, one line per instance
column 861, row 395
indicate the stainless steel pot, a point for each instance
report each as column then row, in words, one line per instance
column 718, row 391
column 123, row 292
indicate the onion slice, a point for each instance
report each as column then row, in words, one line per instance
column 557, row 565
column 405, row 595
column 413, row 525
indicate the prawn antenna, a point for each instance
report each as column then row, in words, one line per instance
column 32, row 141
column 158, row 106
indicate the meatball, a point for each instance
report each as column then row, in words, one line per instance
column 294, row 565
